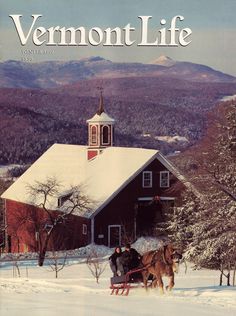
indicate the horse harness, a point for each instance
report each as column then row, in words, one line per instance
column 176, row 256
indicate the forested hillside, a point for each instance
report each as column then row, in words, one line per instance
column 152, row 111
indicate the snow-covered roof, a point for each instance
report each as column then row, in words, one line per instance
column 99, row 179
column 101, row 118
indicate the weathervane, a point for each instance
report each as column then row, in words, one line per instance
column 101, row 105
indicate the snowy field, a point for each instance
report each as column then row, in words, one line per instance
column 75, row 292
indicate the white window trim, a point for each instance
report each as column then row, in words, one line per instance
column 36, row 235
column 109, row 234
column 85, row 229
column 94, row 138
column 143, row 182
column 60, row 201
column 150, row 198
column 168, row 179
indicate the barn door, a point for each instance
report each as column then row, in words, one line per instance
column 114, row 235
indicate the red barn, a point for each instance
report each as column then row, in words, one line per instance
column 126, row 186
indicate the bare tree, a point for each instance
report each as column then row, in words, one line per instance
column 15, row 266
column 14, row 259
column 128, row 235
column 95, row 264
column 57, row 263
column 71, row 202
column 3, row 228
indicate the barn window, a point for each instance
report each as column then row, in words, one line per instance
column 85, row 229
column 93, row 134
column 105, row 135
column 164, row 179
column 62, row 199
column 147, row 179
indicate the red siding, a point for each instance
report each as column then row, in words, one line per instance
column 121, row 210
column 24, row 221
column 92, row 153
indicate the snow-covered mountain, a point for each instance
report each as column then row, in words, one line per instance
column 16, row 74
column 164, row 61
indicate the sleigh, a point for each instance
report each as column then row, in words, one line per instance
column 157, row 263
column 121, row 285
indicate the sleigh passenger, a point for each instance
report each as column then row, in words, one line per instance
column 113, row 260
column 130, row 259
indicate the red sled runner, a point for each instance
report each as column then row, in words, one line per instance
column 121, row 285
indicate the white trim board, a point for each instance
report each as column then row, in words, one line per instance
column 150, row 198
column 109, row 234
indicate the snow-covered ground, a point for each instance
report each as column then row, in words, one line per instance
column 172, row 139
column 5, row 168
column 3, row 171
column 75, row 292
column 168, row 139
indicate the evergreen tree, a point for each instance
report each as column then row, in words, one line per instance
column 205, row 223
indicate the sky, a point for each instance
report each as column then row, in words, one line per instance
column 213, row 25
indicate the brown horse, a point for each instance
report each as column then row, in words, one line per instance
column 161, row 262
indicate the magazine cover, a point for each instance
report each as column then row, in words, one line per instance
column 117, row 157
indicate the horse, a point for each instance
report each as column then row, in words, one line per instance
column 159, row 263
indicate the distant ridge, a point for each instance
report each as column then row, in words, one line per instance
column 52, row 74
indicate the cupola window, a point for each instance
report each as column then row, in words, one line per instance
column 105, row 135
column 93, row 134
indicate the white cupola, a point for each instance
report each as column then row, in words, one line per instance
column 100, row 131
